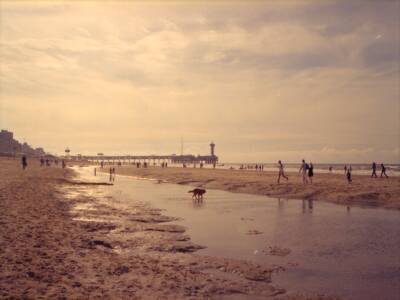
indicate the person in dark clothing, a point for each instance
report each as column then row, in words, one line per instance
column 374, row 170
column 310, row 171
column 348, row 174
column 41, row 162
column 383, row 170
column 63, row 164
column 24, row 162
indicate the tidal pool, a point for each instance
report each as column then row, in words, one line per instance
column 326, row 248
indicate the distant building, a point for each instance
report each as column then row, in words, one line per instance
column 10, row 146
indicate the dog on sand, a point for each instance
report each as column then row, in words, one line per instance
column 197, row 193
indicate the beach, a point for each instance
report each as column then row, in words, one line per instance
column 334, row 188
column 61, row 238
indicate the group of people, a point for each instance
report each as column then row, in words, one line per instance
column 383, row 170
column 43, row 162
column 257, row 167
column 307, row 171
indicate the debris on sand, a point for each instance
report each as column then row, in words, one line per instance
column 277, row 251
column 254, row 232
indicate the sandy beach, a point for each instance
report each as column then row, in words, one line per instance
column 363, row 191
column 60, row 239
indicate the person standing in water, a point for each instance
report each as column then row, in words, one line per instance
column 303, row 171
column 383, row 170
column 281, row 172
column 24, row 162
column 311, row 172
column 374, row 170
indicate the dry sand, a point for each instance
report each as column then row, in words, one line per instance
column 61, row 240
column 363, row 191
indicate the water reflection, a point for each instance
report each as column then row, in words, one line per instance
column 198, row 203
column 353, row 255
column 307, row 206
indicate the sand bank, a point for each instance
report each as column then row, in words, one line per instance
column 363, row 191
column 63, row 240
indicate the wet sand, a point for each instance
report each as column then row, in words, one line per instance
column 363, row 191
column 64, row 240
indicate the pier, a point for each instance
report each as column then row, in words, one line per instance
column 150, row 159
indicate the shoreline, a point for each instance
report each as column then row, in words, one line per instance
column 61, row 239
column 363, row 191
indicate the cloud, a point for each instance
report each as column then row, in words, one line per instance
column 279, row 77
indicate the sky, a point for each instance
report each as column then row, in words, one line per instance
column 264, row 80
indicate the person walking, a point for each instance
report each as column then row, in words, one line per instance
column 24, row 162
column 383, row 170
column 311, row 172
column 303, row 171
column 348, row 174
column 374, row 170
column 281, row 172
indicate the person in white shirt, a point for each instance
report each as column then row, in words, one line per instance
column 303, row 170
column 281, row 172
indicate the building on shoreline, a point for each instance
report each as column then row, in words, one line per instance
column 11, row 147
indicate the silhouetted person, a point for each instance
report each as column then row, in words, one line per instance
column 374, row 170
column 345, row 169
column 311, row 172
column 330, row 169
column 41, row 162
column 281, row 172
column 24, row 162
column 383, row 170
column 303, row 170
column 63, row 164
column 348, row 174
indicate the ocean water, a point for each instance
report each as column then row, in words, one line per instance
column 357, row 169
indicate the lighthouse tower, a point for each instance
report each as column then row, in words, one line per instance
column 212, row 146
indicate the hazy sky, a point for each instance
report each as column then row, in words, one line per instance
column 263, row 80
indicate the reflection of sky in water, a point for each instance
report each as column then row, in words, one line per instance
column 352, row 252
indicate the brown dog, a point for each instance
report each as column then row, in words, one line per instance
column 197, row 193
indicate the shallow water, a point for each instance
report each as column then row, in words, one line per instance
column 349, row 252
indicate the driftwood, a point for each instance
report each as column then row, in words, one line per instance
column 62, row 180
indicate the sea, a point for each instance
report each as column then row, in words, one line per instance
column 337, row 168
